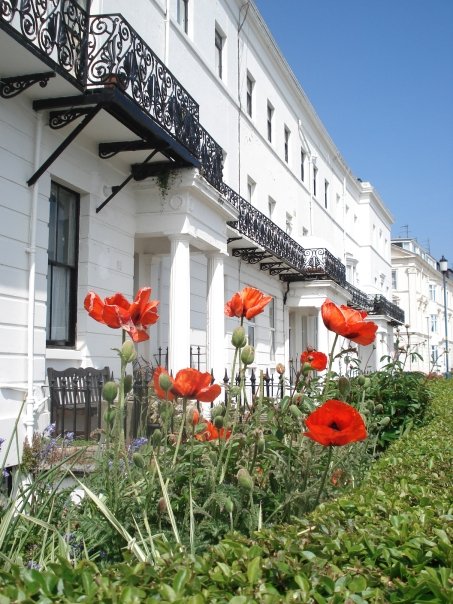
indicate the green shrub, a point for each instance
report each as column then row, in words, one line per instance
column 388, row 541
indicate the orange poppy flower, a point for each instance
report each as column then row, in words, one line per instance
column 191, row 383
column 247, row 303
column 115, row 311
column 317, row 360
column 348, row 323
column 212, row 433
column 335, row 424
column 188, row 383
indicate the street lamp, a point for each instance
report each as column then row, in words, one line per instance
column 443, row 265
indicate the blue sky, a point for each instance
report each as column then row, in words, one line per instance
column 379, row 74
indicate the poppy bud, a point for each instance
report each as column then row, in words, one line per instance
column 127, row 383
column 280, row 368
column 193, row 417
column 128, row 353
column 138, row 460
column 218, row 421
column 161, row 506
column 344, row 386
column 379, row 408
column 295, row 411
column 306, row 367
column 156, row 438
column 384, row 422
column 260, row 444
column 248, row 355
column 229, row 505
column 165, row 382
column 218, row 410
column 244, row 479
column 109, row 391
column 238, row 338
column 367, row 382
column 361, row 380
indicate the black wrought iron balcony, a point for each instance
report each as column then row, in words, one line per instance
column 55, row 30
column 259, row 228
column 319, row 263
column 117, row 55
column 359, row 300
column 382, row 306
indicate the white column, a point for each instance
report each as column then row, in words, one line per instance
column 215, row 328
column 179, row 301
column 324, row 340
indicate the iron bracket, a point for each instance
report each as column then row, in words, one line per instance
column 11, row 87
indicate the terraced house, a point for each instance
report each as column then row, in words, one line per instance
column 167, row 143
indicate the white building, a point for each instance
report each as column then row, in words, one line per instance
column 168, row 143
column 420, row 289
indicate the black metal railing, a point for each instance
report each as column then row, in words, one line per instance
column 259, row 228
column 319, row 263
column 118, row 55
column 359, row 298
column 55, row 28
column 382, row 306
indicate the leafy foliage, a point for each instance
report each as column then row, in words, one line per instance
column 389, row 541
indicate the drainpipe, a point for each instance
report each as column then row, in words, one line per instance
column 167, row 32
column 30, row 400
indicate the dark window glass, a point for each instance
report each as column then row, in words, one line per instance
column 62, row 266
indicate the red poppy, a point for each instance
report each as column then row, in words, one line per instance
column 334, row 424
column 348, row 323
column 191, row 383
column 188, row 383
column 317, row 360
column 247, row 303
column 115, row 311
column 212, row 433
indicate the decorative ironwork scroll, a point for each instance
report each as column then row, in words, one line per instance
column 211, row 157
column 118, row 56
column 319, row 263
column 259, row 228
column 11, row 87
column 58, row 28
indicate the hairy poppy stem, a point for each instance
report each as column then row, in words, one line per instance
column 323, row 481
column 329, row 369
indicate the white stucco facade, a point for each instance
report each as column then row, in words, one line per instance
column 427, row 299
column 178, row 232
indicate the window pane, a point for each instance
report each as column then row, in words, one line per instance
column 66, row 227
column 52, row 223
column 62, row 266
column 59, row 291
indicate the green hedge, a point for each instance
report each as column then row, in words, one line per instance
column 388, row 541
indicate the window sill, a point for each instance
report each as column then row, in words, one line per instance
column 63, row 354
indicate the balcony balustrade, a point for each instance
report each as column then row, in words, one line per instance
column 259, row 228
column 359, row 299
column 382, row 306
column 56, row 29
column 101, row 51
column 319, row 263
